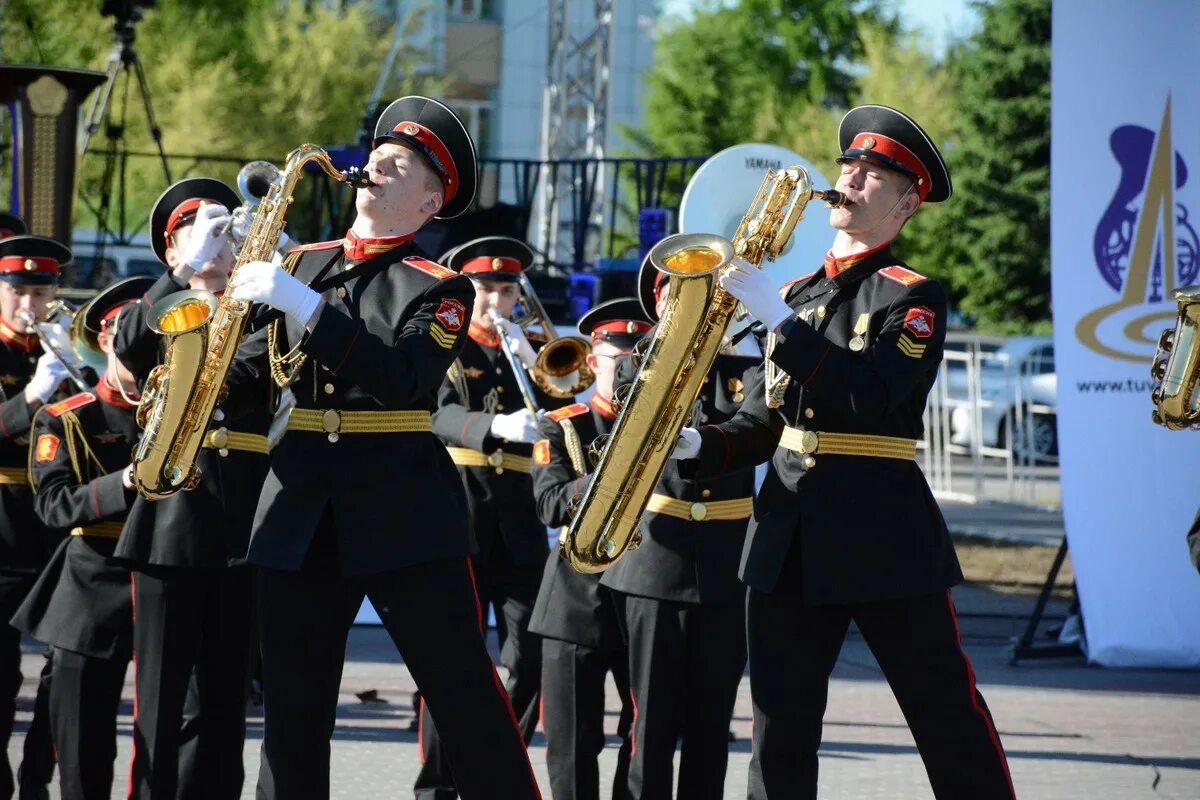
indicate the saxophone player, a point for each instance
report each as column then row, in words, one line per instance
column 365, row 356
column 574, row 614
column 81, row 604
column 845, row 527
column 490, row 435
column 30, row 267
column 680, row 601
column 192, row 591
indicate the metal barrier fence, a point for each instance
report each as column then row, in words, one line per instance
column 990, row 421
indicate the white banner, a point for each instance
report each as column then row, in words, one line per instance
column 1125, row 231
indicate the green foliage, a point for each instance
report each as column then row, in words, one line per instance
column 995, row 231
column 230, row 80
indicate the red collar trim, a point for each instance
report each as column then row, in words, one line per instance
column 836, row 266
column 482, row 336
column 603, row 406
column 111, row 395
column 360, row 249
column 25, row 341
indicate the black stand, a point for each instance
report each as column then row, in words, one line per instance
column 122, row 60
column 1024, row 649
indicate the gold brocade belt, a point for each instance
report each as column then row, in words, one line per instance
column 848, row 444
column 14, row 475
column 224, row 440
column 334, row 422
column 741, row 508
column 499, row 460
column 107, row 530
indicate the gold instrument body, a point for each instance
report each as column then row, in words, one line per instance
column 689, row 334
column 84, row 349
column 201, row 335
column 1176, row 366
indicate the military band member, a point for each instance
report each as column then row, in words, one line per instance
column 81, row 605
column 490, row 433
column 845, row 527
column 681, row 603
column 574, row 614
column 192, row 591
column 362, row 497
column 29, row 273
column 11, row 225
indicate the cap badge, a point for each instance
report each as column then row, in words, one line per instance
column 411, row 130
column 497, row 264
column 868, row 143
column 30, row 264
column 631, row 327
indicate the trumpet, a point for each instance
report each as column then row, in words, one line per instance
column 254, row 180
column 561, row 369
column 77, row 350
column 520, row 372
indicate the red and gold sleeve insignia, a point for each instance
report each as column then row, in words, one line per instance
column 919, row 322
column 541, row 451
column 451, row 314
column 444, row 338
column 902, row 275
column 910, row 347
column 46, row 447
column 566, row 412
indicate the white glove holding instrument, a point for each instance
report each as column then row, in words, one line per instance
column 267, row 283
column 757, row 292
column 210, row 233
column 519, row 426
column 47, row 377
column 517, row 341
column 688, row 445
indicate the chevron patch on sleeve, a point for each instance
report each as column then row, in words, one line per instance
column 444, row 338
column 910, row 347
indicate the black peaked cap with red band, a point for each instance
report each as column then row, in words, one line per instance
column 493, row 258
column 894, row 140
column 113, row 296
column 178, row 206
column 620, row 322
column 27, row 260
column 434, row 132
column 11, row 225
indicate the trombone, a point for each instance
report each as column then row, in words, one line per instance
column 79, row 351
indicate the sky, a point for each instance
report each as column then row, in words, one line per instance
column 941, row 19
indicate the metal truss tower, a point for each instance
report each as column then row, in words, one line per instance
column 574, row 126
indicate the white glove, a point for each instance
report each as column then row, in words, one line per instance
column 242, row 220
column 688, row 445
column 209, row 234
column 517, row 341
column 47, row 377
column 285, row 243
column 264, row 282
column 519, row 426
column 757, row 292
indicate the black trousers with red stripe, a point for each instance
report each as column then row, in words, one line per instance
column 432, row 615
column 793, row 649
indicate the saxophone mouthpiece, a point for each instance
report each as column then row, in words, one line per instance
column 357, row 177
column 834, row 199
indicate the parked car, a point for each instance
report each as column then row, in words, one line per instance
column 1018, row 391
column 92, row 269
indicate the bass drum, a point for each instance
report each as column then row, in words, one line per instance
column 721, row 191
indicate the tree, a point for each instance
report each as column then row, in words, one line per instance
column 995, row 231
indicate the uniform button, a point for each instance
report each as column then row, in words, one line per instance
column 499, row 390
column 341, row 291
column 703, row 418
column 218, row 415
column 809, row 462
column 706, row 492
column 499, row 371
column 329, row 388
column 808, row 412
column 821, row 312
column 499, row 406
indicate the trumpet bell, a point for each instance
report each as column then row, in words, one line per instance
column 561, row 368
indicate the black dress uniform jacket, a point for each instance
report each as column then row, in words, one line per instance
column 682, row 560
column 848, row 528
column 395, row 499
column 208, row 526
column 25, row 541
column 81, row 602
column 480, row 386
column 571, row 606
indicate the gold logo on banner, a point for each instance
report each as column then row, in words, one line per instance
column 1155, row 235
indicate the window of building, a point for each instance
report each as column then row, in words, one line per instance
column 472, row 9
column 476, row 115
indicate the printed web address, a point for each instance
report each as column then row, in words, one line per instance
column 1116, row 387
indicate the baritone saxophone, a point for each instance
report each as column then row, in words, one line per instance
column 201, row 334
column 688, row 336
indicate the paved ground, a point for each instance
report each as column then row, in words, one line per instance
column 1072, row 731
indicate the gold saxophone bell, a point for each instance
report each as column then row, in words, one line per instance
column 1176, row 366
